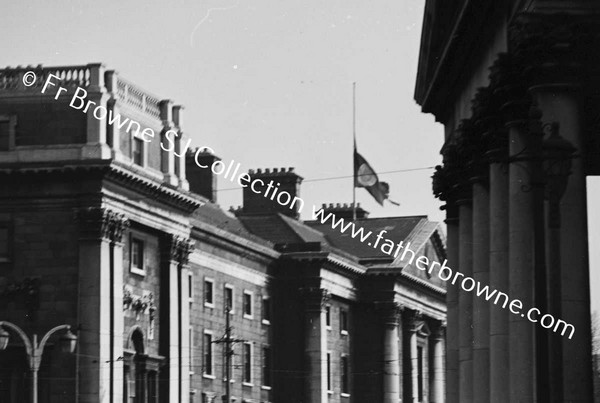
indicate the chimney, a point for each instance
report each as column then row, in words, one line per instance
column 274, row 190
column 345, row 210
column 202, row 180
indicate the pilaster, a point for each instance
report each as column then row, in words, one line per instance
column 315, row 351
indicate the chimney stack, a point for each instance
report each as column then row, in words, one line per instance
column 202, row 180
column 274, row 190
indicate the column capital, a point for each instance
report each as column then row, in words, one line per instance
column 439, row 330
column 176, row 248
column 555, row 48
column 414, row 319
column 315, row 298
column 101, row 223
column 389, row 311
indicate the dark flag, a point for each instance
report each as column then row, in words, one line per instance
column 365, row 177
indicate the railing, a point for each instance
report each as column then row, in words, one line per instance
column 11, row 79
column 138, row 98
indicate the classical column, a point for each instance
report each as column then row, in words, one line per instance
column 452, row 307
column 481, row 307
column 315, row 387
column 175, row 252
column 561, row 102
column 184, row 333
column 94, row 305
column 437, row 393
column 118, row 225
column 414, row 324
column 498, row 275
column 391, row 353
column 523, row 149
column 465, row 301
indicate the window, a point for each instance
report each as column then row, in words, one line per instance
column 248, row 304
column 329, row 387
column 345, row 373
column 4, row 135
column 129, row 385
column 137, row 256
column 343, row 321
column 207, row 365
column 247, row 368
column 266, row 367
column 328, row 317
column 152, row 387
column 420, row 372
column 191, row 349
column 208, row 292
column 7, row 132
column 190, row 288
column 229, row 298
column 266, row 311
column 4, row 243
column 137, row 151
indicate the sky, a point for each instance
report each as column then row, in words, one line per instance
column 268, row 84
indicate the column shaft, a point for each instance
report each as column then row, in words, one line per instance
column 499, row 369
column 481, row 307
column 118, row 323
column 185, row 334
column 521, row 263
column 174, row 347
column 452, row 309
column 563, row 104
column 391, row 357
column 437, row 394
column 94, row 317
column 465, row 304
column 315, row 388
column 414, row 365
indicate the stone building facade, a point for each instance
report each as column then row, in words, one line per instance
column 515, row 84
column 103, row 229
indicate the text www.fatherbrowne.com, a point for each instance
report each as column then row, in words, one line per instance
column 444, row 272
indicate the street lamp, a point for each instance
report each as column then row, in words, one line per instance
column 34, row 350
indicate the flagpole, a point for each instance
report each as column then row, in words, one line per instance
column 354, row 153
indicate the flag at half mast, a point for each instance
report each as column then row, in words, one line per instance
column 365, row 177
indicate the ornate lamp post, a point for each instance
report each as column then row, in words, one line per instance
column 34, row 350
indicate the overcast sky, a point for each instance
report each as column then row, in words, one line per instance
column 267, row 83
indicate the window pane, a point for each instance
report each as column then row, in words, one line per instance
column 329, row 371
column 208, row 356
column 266, row 366
column 328, row 315
column 344, row 370
column 3, row 242
column 229, row 298
column 247, row 304
column 4, row 135
column 137, row 151
column 247, row 363
column 208, row 292
column 266, row 309
column 137, row 254
column 343, row 320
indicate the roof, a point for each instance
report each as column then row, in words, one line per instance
column 212, row 214
column 398, row 229
column 281, row 229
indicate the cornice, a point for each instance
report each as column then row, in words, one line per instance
column 113, row 172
